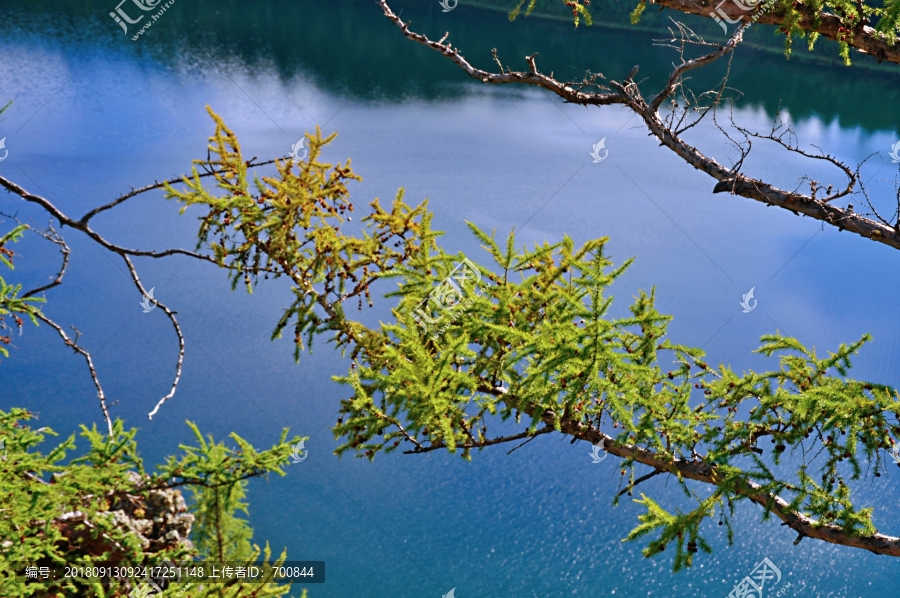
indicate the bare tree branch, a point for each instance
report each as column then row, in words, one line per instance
column 51, row 235
column 157, row 185
column 785, row 136
column 688, row 65
column 178, row 333
column 54, row 237
column 628, row 94
column 83, row 226
column 73, row 343
column 534, row 77
column 65, row 220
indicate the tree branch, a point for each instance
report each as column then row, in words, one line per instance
column 534, row 77
column 171, row 315
column 689, row 65
column 707, row 473
column 90, row 364
column 643, row 478
column 65, row 220
column 702, row 471
column 489, row 442
column 158, row 185
column 864, row 38
column 629, row 95
column 82, row 226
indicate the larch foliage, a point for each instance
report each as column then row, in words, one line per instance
column 883, row 16
column 62, row 511
column 529, row 344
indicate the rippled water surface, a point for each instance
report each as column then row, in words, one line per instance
column 95, row 113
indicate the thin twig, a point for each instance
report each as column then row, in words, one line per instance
column 158, row 185
column 171, row 315
column 643, row 478
column 101, row 396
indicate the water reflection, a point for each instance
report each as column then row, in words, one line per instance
column 348, row 48
column 122, row 112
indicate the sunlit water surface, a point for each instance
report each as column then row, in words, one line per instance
column 95, row 113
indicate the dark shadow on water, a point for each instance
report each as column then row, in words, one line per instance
column 348, row 48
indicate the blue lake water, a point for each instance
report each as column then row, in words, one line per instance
column 95, row 113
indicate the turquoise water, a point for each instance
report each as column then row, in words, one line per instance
column 94, row 113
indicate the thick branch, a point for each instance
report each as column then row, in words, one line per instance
column 864, row 38
column 534, row 77
column 629, row 95
column 702, row 471
column 697, row 469
column 65, row 220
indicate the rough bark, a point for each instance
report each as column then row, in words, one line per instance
column 864, row 38
column 701, row 471
column 627, row 93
